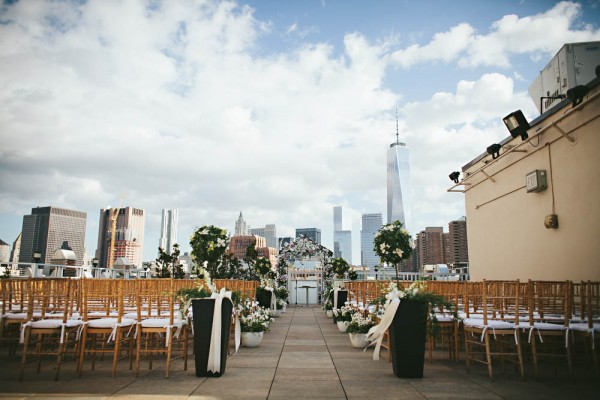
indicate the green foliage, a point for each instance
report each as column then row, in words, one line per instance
column 340, row 267
column 361, row 324
column 262, row 265
column 208, row 245
column 352, row 275
column 168, row 264
column 392, row 243
column 192, row 293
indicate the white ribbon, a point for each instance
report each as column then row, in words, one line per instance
column 214, row 352
column 377, row 332
column 238, row 332
column 273, row 305
column 335, row 298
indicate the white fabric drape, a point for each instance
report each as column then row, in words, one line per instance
column 376, row 333
column 214, row 352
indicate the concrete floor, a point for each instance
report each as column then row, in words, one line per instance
column 303, row 356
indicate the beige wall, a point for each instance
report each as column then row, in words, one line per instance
column 506, row 233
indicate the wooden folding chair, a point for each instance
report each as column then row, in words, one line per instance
column 586, row 331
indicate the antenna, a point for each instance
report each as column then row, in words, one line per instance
column 397, row 137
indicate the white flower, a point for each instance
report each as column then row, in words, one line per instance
column 221, row 242
column 399, row 252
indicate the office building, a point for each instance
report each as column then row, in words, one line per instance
column 16, row 249
column 459, row 250
column 128, row 237
column 433, row 246
column 238, row 245
column 48, row 229
column 399, row 189
column 268, row 232
column 342, row 240
column 4, row 251
column 371, row 223
column 241, row 229
column 168, row 230
column 312, row 233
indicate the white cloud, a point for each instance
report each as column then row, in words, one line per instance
column 172, row 106
column 542, row 33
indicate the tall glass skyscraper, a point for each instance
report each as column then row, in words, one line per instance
column 168, row 230
column 370, row 225
column 342, row 240
column 399, row 189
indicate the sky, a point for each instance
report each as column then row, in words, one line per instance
column 280, row 110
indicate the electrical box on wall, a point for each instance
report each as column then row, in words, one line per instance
column 536, row 181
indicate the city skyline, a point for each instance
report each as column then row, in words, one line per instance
column 280, row 109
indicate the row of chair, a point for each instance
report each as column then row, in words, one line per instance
column 497, row 319
column 131, row 319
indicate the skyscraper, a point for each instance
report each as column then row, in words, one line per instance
column 399, row 190
column 129, row 236
column 459, row 249
column 370, row 225
column 432, row 246
column 268, row 232
column 342, row 240
column 311, row 233
column 240, row 226
column 48, row 229
column 168, row 230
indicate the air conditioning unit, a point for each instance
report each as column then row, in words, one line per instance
column 574, row 64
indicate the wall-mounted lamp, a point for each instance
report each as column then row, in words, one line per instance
column 95, row 262
column 36, row 256
column 517, row 124
column 494, row 150
column 577, row 94
column 454, row 176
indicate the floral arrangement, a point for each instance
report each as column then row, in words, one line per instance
column 360, row 323
column 262, row 265
column 339, row 267
column 328, row 305
column 344, row 314
column 208, row 244
column 393, row 244
column 280, row 304
column 352, row 275
column 204, row 288
column 253, row 318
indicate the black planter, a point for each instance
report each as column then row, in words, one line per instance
column 263, row 297
column 342, row 298
column 203, row 311
column 407, row 339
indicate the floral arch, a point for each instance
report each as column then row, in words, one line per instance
column 304, row 248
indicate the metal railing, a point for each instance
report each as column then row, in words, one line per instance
column 37, row 270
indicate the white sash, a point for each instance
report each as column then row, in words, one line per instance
column 335, row 298
column 376, row 333
column 214, row 352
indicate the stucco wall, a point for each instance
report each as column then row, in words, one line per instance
column 506, row 233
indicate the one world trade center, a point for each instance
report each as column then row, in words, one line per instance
column 399, row 190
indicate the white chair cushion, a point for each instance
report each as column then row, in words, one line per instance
column 159, row 322
column 444, row 318
column 109, row 322
column 55, row 323
column 494, row 324
column 546, row 326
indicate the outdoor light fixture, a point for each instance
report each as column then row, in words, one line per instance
column 577, row 94
column 36, row 256
column 517, row 124
column 494, row 150
column 454, row 176
column 95, row 262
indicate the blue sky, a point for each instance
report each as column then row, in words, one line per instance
column 279, row 109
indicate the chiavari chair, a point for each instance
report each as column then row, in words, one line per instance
column 495, row 334
column 159, row 324
column 14, row 310
column 105, row 329
column 587, row 330
column 54, row 329
column 549, row 314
